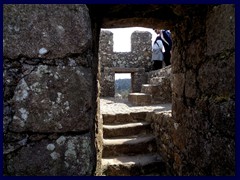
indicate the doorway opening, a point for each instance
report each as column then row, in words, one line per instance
column 122, row 85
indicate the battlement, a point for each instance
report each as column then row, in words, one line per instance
column 139, row 57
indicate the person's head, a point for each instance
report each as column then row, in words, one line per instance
column 157, row 31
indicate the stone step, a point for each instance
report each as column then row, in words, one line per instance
column 129, row 129
column 131, row 145
column 145, row 164
column 149, row 89
column 139, row 99
column 111, row 119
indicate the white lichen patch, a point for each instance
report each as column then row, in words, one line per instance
column 54, row 155
column 59, row 126
column 44, row 34
column 16, row 28
column 42, row 51
column 109, row 78
column 22, row 91
column 61, row 140
column 50, row 117
column 23, row 142
column 60, row 29
column 66, row 164
column 35, row 87
column 66, row 80
column 176, row 125
column 71, row 153
column 66, row 104
column 78, row 72
column 72, row 62
column 59, row 97
column 24, row 114
column 42, row 69
column 50, row 147
column 56, row 76
column 20, row 122
column 10, row 27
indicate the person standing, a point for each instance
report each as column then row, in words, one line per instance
column 167, row 43
column 157, row 51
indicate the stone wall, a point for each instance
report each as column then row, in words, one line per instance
column 204, row 92
column 48, row 114
column 50, row 89
column 139, row 57
column 163, row 79
column 164, row 128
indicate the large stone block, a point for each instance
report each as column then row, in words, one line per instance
column 217, row 76
column 45, row 30
column 63, row 156
column 53, row 99
column 139, row 99
column 220, row 29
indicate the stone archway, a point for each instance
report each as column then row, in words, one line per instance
column 40, row 44
column 196, row 110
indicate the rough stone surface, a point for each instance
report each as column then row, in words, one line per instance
column 139, row 99
column 57, row 156
column 162, row 79
column 223, row 19
column 48, row 65
column 39, row 30
column 204, row 95
column 47, row 100
column 203, row 104
column 131, row 147
column 165, row 131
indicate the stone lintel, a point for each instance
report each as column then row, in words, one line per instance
column 126, row 70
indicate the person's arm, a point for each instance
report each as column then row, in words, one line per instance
column 160, row 44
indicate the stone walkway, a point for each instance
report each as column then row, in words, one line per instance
column 119, row 106
column 129, row 145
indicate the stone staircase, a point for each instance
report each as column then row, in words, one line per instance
column 157, row 91
column 129, row 147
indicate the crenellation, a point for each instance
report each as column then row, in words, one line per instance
column 139, row 57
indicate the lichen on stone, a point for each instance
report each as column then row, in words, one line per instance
column 42, row 51
column 50, row 147
column 71, row 62
column 67, row 105
column 61, row 140
column 59, row 97
column 35, row 87
column 71, row 152
column 54, row 155
column 42, row 69
column 22, row 91
column 24, row 114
